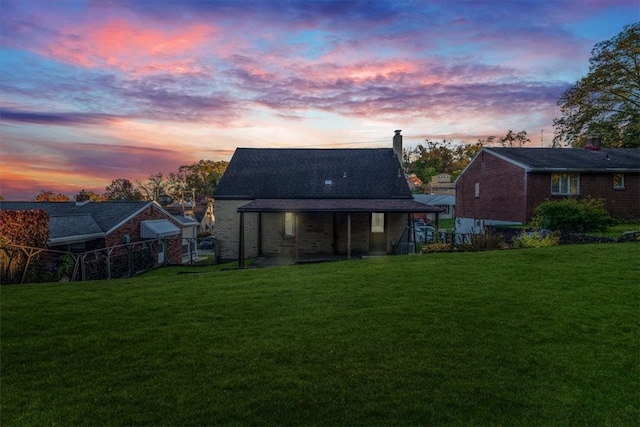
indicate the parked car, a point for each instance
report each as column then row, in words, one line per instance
column 425, row 233
column 207, row 243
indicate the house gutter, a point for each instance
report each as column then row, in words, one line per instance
column 66, row 240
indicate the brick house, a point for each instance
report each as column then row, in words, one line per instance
column 85, row 226
column 297, row 203
column 505, row 185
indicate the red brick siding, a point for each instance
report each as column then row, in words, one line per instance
column 506, row 194
column 502, row 190
column 623, row 203
column 132, row 228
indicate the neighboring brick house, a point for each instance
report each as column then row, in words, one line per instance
column 506, row 185
column 86, row 226
column 298, row 203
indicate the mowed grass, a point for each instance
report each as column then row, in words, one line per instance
column 546, row 336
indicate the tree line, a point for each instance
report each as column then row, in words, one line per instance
column 435, row 157
column 192, row 182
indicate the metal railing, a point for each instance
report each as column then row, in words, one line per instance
column 25, row 264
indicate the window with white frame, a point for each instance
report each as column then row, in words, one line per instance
column 618, row 181
column 289, row 226
column 477, row 189
column 565, row 183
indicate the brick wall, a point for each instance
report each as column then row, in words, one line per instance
column 132, row 228
column 228, row 229
column 502, row 191
column 622, row 203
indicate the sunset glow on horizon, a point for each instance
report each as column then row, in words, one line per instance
column 94, row 91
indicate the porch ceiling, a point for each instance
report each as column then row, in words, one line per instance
column 337, row 205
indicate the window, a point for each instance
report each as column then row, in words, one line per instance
column 565, row 183
column 289, row 224
column 477, row 189
column 377, row 222
column 618, row 181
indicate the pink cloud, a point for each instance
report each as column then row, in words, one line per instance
column 121, row 45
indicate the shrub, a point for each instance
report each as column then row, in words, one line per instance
column 489, row 240
column 572, row 215
column 534, row 240
column 437, row 247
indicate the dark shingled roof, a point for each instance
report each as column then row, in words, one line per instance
column 572, row 159
column 274, row 173
column 105, row 215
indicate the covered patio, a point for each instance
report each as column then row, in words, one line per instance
column 323, row 228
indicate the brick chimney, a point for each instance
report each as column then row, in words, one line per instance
column 397, row 145
column 592, row 143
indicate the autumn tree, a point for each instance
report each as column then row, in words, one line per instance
column 50, row 196
column 122, row 189
column 28, row 229
column 203, row 177
column 605, row 102
column 440, row 157
column 90, row 196
column 154, row 187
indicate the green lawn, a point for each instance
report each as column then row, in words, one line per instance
column 546, row 336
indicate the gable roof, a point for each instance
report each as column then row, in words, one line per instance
column 70, row 222
column 283, row 173
column 570, row 159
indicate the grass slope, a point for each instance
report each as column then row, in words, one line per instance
column 544, row 336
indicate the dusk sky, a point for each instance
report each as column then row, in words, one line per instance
column 93, row 91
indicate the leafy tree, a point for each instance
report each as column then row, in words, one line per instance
column 122, row 189
column 25, row 228
column 203, row 177
column 434, row 158
column 605, row 102
column 50, row 196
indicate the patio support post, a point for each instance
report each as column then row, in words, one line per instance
column 297, row 233
column 241, row 242
column 349, row 236
column 259, row 233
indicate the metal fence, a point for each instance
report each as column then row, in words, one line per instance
column 24, row 264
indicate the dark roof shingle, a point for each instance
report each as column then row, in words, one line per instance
column 274, row 173
column 574, row 159
column 106, row 215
